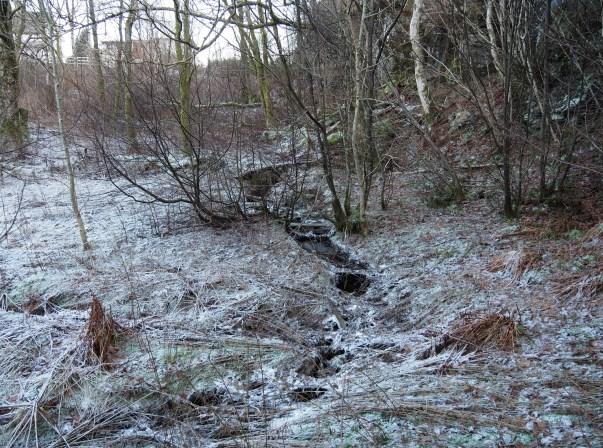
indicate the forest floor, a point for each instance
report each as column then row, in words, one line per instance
column 475, row 331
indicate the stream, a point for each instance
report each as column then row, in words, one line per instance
column 350, row 275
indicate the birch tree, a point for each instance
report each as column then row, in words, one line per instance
column 100, row 82
column 419, row 56
column 54, row 49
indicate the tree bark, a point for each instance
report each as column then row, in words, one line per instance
column 260, row 59
column 100, row 81
column 358, row 30
column 419, row 56
column 492, row 36
column 185, row 73
column 119, row 62
column 246, row 96
column 59, row 107
column 128, row 100
column 11, row 119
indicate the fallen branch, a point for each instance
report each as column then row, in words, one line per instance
column 229, row 104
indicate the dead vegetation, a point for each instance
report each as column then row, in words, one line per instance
column 101, row 334
column 515, row 263
column 581, row 285
column 479, row 332
column 587, row 255
column 244, row 339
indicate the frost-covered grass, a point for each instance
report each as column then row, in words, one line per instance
column 224, row 326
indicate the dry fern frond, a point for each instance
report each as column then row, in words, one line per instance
column 101, row 333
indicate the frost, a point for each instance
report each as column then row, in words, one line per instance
column 232, row 314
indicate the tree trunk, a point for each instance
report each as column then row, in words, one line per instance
column 246, row 97
column 12, row 125
column 185, row 73
column 59, row 106
column 358, row 137
column 260, row 59
column 100, row 81
column 419, row 56
column 265, row 63
column 492, row 36
column 119, row 91
column 128, row 101
column 362, row 29
column 545, row 124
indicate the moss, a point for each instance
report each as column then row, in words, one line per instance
column 15, row 127
column 574, row 234
column 384, row 130
column 335, row 138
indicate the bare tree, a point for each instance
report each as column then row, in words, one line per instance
column 185, row 61
column 54, row 50
column 100, row 81
column 257, row 51
column 128, row 78
column 419, row 56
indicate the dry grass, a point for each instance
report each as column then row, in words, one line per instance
column 583, row 285
column 485, row 331
column 587, row 283
column 515, row 263
column 562, row 217
column 101, row 333
column 594, row 234
column 477, row 332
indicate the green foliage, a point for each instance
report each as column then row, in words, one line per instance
column 574, row 234
column 384, row 129
column 335, row 138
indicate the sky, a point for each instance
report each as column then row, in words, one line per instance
column 108, row 29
